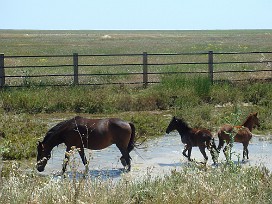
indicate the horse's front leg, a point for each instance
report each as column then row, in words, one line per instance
column 84, row 159
column 66, row 160
column 202, row 150
column 189, row 149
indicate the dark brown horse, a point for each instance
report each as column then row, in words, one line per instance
column 191, row 137
column 241, row 133
column 93, row 134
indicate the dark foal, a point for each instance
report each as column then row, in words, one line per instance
column 191, row 137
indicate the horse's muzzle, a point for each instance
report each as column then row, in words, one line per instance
column 41, row 164
column 40, row 168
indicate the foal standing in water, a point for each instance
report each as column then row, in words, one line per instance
column 242, row 133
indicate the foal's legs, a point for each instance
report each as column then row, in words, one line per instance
column 245, row 151
column 189, row 149
column 202, row 150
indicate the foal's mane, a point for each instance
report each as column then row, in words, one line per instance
column 182, row 123
column 55, row 130
column 248, row 117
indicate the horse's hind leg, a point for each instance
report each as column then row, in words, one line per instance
column 186, row 148
column 189, row 149
column 202, row 150
column 125, row 158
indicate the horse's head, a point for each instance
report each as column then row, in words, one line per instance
column 172, row 125
column 255, row 119
column 42, row 157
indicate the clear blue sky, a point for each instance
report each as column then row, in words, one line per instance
column 135, row 15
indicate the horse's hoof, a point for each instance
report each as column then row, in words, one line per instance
column 203, row 163
column 128, row 168
column 244, row 161
column 123, row 161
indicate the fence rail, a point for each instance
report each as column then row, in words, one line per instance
column 144, row 68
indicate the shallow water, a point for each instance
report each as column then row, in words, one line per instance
column 159, row 157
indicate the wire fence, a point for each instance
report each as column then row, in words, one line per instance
column 144, row 68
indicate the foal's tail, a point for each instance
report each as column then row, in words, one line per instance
column 131, row 143
column 210, row 143
column 213, row 150
column 221, row 141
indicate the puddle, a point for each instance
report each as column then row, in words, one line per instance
column 160, row 157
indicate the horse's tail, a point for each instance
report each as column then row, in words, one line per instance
column 211, row 146
column 131, row 143
column 213, row 150
column 210, row 143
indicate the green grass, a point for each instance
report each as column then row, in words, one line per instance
column 27, row 112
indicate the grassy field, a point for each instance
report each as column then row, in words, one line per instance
column 95, row 42
column 33, row 43
column 26, row 114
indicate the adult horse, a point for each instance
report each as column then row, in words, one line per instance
column 191, row 137
column 93, row 134
column 241, row 133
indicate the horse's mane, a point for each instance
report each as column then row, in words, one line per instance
column 182, row 123
column 54, row 130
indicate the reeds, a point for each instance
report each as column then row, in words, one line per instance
column 192, row 184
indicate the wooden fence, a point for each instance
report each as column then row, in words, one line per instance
column 144, row 68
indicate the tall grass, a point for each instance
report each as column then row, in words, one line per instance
column 189, row 185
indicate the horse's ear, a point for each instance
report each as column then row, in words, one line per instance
column 255, row 113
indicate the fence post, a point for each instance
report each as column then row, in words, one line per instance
column 2, row 71
column 75, row 62
column 145, row 70
column 210, row 63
